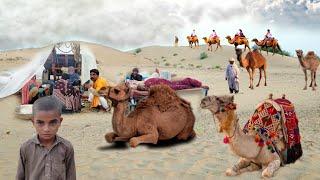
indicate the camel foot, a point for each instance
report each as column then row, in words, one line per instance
column 110, row 137
column 265, row 84
column 193, row 134
column 257, row 85
column 134, row 142
column 313, row 89
column 231, row 172
column 267, row 173
column 305, row 88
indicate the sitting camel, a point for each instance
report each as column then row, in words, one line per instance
column 212, row 41
column 251, row 61
column 270, row 43
column 192, row 40
column 239, row 41
column 161, row 116
column 309, row 62
column 258, row 145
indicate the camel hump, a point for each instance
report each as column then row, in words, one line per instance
column 311, row 53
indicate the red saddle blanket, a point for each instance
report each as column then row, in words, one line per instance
column 276, row 120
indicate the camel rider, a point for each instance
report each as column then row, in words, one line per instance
column 239, row 34
column 213, row 35
column 268, row 37
column 193, row 34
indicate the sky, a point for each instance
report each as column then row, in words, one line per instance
column 129, row 24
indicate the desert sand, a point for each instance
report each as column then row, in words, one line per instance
column 205, row 157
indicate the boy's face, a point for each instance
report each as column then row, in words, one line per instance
column 47, row 124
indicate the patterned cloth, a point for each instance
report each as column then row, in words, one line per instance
column 67, row 95
column 273, row 121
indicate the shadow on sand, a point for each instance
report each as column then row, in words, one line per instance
column 114, row 146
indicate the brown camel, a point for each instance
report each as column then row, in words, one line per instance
column 212, row 41
column 161, row 116
column 252, row 156
column 309, row 62
column 251, row 61
column 270, row 43
column 193, row 40
column 239, row 41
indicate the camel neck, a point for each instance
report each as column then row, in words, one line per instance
column 302, row 62
column 122, row 125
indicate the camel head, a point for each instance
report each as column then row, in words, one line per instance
column 220, row 106
column 205, row 39
column 119, row 93
column 299, row 53
column 228, row 37
column 255, row 40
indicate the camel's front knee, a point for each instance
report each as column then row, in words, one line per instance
column 231, row 172
column 271, row 168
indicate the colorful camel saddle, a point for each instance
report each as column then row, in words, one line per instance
column 275, row 120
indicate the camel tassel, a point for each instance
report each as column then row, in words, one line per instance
column 270, row 96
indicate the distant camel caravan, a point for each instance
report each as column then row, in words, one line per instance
column 270, row 43
column 239, row 41
column 212, row 41
column 163, row 115
column 193, row 40
column 309, row 62
column 269, row 139
column 251, row 61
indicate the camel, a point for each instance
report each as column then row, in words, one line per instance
column 192, row 40
column 161, row 116
column 239, row 41
column 251, row 61
column 309, row 62
column 271, row 43
column 212, row 41
column 253, row 155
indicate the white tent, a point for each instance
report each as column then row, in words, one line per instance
column 13, row 80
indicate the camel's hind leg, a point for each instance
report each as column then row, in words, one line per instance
column 260, row 76
column 149, row 134
column 271, row 168
column 242, row 166
column 313, row 80
column 188, row 131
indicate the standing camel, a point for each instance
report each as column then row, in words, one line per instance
column 309, row 62
column 239, row 41
column 163, row 115
column 212, row 41
column 192, row 40
column 271, row 43
column 251, row 61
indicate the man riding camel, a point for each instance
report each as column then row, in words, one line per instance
column 268, row 37
column 239, row 34
column 193, row 34
column 213, row 35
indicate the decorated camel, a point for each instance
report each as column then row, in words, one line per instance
column 309, row 62
column 270, row 43
column 212, row 41
column 239, row 41
column 161, row 116
column 193, row 40
column 251, row 61
column 269, row 139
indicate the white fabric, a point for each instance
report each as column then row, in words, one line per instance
column 102, row 101
column 88, row 63
column 12, row 81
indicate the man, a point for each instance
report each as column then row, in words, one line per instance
column 239, row 34
column 232, row 75
column 213, row 35
column 268, row 37
column 74, row 77
column 135, row 75
column 176, row 41
column 99, row 83
column 46, row 155
column 193, row 34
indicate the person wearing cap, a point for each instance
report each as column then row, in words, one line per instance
column 135, row 75
column 193, row 34
column 232, row 76
column 213, row 35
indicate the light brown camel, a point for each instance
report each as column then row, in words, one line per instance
column 161, row 116
column 212, row 41
column 270, row 43
column 252, row 156
column 239, row 41
column 193, row 40
column 251, row 61
column 309, row 62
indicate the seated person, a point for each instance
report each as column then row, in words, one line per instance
column 135, row 75
column 74, row 77
column 97, row 100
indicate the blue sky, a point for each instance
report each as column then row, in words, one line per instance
column 128, row 24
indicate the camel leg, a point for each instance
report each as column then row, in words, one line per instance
column 265, row 75
column 313, row 80
column 147, row 138
column 110, row 137
column 305, row 78
column 260, row 76
column 216, row 48
column 251, row 78
column 271, row 168
column 315, row 76
column 188, row 131
column 235, row 170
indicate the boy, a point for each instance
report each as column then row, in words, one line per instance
column 47, row 155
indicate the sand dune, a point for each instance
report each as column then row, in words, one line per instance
column 205, row 157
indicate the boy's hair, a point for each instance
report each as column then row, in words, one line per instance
column 47, row 103
column 96, row 71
